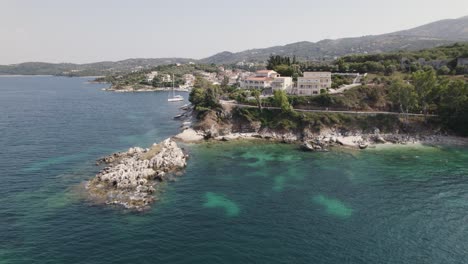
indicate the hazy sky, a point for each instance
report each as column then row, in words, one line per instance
column 96, row 30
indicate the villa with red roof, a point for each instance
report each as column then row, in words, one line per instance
column 262, row 79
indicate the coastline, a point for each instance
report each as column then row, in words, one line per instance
column 131, row 177
column 352, row 141
column 225, row 124
column 130, row 89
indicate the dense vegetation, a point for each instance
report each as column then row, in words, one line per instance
column 285, row 66
column 316, row 121
column 443, row 59
column 205, row 96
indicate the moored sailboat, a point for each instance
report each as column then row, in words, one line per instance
column 174, row 98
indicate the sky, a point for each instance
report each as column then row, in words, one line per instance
column 99, row 30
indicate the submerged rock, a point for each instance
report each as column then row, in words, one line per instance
column 307, row 146
column 317, row 147
column 130, row 179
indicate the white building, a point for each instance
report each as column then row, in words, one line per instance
column 262, row 79
column 150, row 76
column 312, row 83
column 166, row 78
column 189, row 79
column 282, row 83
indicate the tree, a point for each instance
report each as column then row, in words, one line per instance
column 404, row 95
column 201, row 83
column 284, row 70
column 256, row 93
column 274, row 61
column 197, row 96
column 225, row 83
column 453, row 106
column 342, row 66
column 444, row 70
column 280, row 99
column 390, row 69
column 425, row 82
column 294, row 61
column 204, row 95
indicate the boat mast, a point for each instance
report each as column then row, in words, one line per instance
column 173, row 92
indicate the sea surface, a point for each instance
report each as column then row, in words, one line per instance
column 238, row 202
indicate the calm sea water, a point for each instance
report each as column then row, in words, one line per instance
column 236, row 203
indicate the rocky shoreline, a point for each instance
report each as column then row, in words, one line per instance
column 321, row 142
column 131, row 176
column 223, row 126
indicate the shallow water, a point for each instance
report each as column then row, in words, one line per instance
column 237, row 202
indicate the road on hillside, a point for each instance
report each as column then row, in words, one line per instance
column 356, row 83
column 232, row 103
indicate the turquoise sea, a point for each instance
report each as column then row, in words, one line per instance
column 238, row 202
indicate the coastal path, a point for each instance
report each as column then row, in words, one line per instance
column 369, row 113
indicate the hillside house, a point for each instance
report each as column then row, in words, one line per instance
column 312, row 83
column 165, row 78
column 262, row 79
column 150, row 76
column 282, row 83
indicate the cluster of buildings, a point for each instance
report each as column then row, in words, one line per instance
column 189, row 80
column 233, row 76
column 164, row 77
column 310, row 84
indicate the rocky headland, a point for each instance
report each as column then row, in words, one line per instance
column 131, row 177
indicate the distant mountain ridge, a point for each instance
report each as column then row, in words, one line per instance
column 88, row 69
column 454, row 29
column 431, row 35
column 434, row 34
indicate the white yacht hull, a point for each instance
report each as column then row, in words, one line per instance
column 175, row 99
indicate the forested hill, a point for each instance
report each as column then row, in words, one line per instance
column 89, row 69
column 427, row 36
column 444, row 29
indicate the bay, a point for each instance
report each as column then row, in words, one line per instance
column 238, row 202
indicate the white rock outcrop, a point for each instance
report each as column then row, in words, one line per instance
column 132, row 176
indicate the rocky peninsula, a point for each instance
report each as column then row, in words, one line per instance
column 131, row 177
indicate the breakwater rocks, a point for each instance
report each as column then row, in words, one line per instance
column 131, row 176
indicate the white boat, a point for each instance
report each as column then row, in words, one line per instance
column 174, row 98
